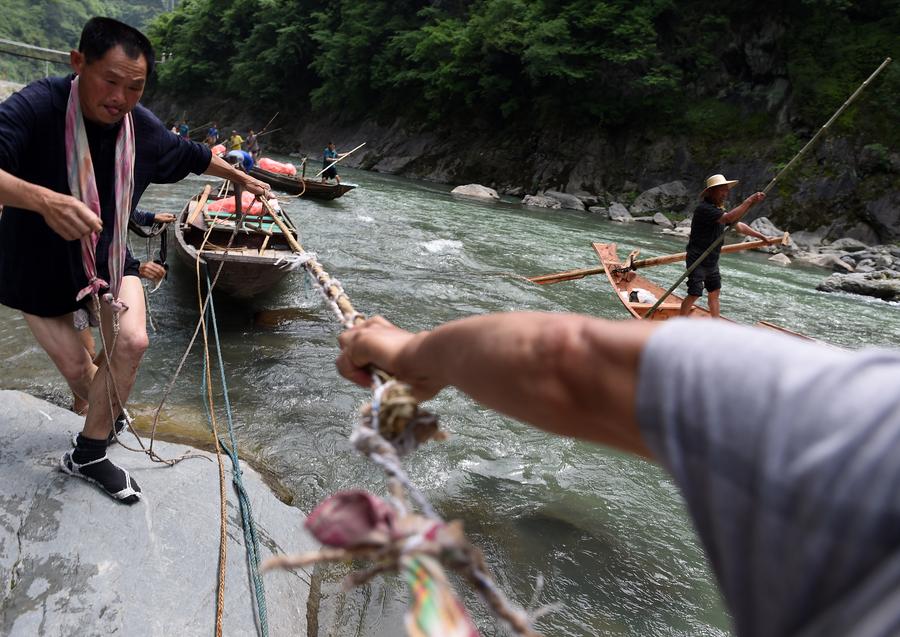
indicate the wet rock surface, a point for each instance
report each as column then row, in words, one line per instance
column 75, row 562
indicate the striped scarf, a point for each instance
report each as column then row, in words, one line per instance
column 83, row 185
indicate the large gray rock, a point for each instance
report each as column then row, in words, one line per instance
column 883, row 285
column 75, row 562
column 809, row 238
column 830, row 261
column 477, row 191
column 570, row 202
column 848, row 244
column 662, row 220
column 618, row 212
column 884, row 215
column 780, row 259
column 669, row 196
column 540, row 201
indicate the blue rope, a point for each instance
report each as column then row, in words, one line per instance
column 251, row 537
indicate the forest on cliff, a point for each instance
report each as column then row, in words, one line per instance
column 685, row 65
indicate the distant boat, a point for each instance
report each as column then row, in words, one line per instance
column 312, row 188
column 259, row 255
column 638, row 294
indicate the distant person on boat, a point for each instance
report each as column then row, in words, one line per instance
column 784, row 450
column 235, row 141
column 212, row 135
column 76, row 154
column 184, row 131
column 329, row 156
column 253, row 144
column 240, row 159
column 707, row 225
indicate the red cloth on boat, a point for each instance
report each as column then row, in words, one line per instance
column 227, row 204
column 218, row 149
column 277, row 167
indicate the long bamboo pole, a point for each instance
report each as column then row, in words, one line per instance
column 571, row 275
column 769, row 187
column 341, row 158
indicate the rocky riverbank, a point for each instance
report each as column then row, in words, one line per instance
column 74, row 562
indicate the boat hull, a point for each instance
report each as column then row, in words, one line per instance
column 246, row 270
column 312, row 188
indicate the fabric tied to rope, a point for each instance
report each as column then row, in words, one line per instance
column 83, row 186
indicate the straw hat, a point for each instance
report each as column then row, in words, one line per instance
column 719, row 180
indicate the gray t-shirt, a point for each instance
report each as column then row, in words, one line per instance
column 788, row 455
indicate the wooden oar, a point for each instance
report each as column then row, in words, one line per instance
column 267, row 132
column 571, row 275
column 200, row 203
column 347, row 154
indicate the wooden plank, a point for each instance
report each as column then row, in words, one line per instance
column 200, row 204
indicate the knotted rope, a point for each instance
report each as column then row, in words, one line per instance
column 390, row 426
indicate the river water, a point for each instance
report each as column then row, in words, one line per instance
column 608, row 533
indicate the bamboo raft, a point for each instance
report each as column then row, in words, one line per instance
column 312, row 188
column 260, row 254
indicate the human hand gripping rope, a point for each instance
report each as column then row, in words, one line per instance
column 359, row 525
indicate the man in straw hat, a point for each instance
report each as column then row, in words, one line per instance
column 707, row 226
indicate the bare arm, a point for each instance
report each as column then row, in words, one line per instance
column 568, row 374
column 67, row 216
column 744, row 229
column 218, row 167
column 736, row 213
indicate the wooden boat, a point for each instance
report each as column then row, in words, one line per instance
column 312, row 188
column 258, row 258
column 638, row 294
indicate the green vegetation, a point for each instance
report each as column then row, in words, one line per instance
column 56, row 24
column 649, row 64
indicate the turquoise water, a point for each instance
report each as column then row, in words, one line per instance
column 607, row 532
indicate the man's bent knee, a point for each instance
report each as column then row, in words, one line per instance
column 131, row 345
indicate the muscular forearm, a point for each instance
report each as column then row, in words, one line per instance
column 218, row 167
column 568, row 374
column 736, row 213
column 19, row 193
column 744, row 229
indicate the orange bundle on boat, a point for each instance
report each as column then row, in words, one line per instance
column 227, row 204
column 277, row 167
column 218, row 149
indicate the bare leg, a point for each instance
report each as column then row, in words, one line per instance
column 125, row 356
column 80, row 405
column 57, row 336
column 713, row 299
column 687, row 304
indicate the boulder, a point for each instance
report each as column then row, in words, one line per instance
column 476, row 191
column 884, row 261
column 662, row 220
column 780, row 259
column 685, row 223
column 829, row 261
column 765, row 226
column 809, row 238
column 645, row 219
column 540, row 201
column 678, row 231
column 883, row 285
column 567, row 201
column 618, row 212
column 75, row 562
column 884, row 215
column 848, row 244
column 669, row 196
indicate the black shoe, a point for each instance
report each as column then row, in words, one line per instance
column 110, row 477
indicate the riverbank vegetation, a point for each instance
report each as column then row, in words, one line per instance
column 743, row 68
